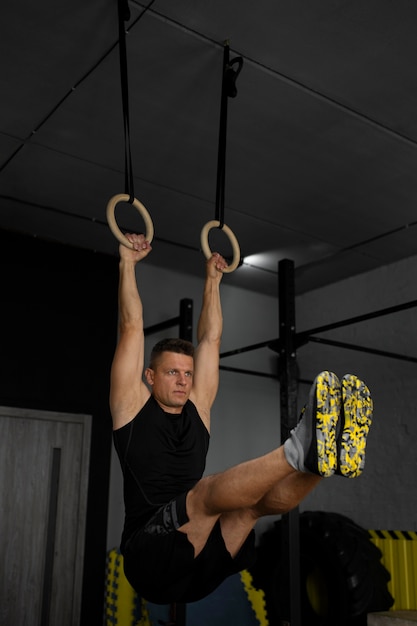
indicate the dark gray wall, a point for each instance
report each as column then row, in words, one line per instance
column 59, row 322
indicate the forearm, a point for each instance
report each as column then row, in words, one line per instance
column 210, row 324
column 130, row 304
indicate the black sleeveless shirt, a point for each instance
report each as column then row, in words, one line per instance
column 162, row 455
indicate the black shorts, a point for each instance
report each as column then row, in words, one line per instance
column 159, row 561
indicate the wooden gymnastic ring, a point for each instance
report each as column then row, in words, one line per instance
column 111, row 205
column 227, row 231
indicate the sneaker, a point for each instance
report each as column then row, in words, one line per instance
column 357, row 414
column 312, row 446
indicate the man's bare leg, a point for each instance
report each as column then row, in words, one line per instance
column 271, row 483
column 242, row 507
column 282, row 498
column 311, row 447
column 237, row 488
column 287, row 494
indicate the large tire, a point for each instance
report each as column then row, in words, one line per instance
column 341, row 574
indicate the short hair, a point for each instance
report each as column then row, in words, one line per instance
column 180, row 346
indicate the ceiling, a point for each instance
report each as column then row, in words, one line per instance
column 321, row 160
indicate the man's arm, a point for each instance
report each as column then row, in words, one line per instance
column 209, row 332
column 128, row 392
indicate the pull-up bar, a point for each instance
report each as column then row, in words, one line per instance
column 304, row 337
column 351, row 346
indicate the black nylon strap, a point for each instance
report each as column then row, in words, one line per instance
column 124, row 15
column 229, row 77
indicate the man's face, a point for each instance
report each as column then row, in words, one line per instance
column 171, row 380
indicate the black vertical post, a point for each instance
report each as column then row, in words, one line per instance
column 288, row 404
column 179, row 610
column 186, row 319
column 179, row 615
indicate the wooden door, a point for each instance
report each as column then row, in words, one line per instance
column 43, row 495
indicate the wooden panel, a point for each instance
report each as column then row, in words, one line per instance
column 43, row 482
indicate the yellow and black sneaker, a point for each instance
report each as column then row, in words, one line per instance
column 357, row 416
column 312, row 446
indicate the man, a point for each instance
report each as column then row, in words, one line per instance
column 185, row 534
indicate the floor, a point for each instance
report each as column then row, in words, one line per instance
column 393, row 618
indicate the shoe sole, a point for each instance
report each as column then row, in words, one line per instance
column 357, row 408
column 328, row 406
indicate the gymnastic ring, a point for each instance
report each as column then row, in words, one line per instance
column 227, row 231
column 111, row 205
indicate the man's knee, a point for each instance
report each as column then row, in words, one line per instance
column 237, row 529
column 198, row 500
